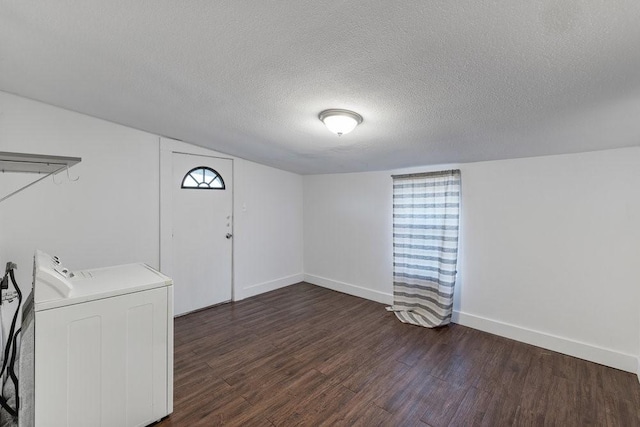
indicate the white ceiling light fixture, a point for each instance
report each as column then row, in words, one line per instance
column 340, row 122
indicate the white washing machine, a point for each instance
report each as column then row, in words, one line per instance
column 103, row 346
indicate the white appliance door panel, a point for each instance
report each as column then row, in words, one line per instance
column 103, row 363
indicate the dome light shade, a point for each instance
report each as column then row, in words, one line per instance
column 340, row 122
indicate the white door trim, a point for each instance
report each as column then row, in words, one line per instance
column 167, row 148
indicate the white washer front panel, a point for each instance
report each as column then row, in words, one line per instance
column 104, row 362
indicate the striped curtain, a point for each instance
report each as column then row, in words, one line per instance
column 425, row 246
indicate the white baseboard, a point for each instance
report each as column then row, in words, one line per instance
column 603, row 356
column 347, row 288
column 270, row 285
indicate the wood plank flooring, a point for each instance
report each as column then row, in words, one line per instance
column 304, row 355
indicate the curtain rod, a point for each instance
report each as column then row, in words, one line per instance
column 427, row 174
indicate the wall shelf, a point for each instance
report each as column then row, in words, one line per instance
column 35, row 164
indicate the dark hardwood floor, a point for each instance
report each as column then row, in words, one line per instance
column 304, row 355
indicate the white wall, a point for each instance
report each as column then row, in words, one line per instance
column 111, row 215
column 348, row 233
column 554, row 249
column 548, row 251
column 268, row 229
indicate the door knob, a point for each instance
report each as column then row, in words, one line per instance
column 229, row 235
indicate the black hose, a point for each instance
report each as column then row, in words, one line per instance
column 14, row 379
column 11, row 349
column 6, row 407
column 12, row 368
column 13, row 324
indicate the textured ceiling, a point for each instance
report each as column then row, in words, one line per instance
column 436, row 82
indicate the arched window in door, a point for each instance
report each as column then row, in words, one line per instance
column 203, row 178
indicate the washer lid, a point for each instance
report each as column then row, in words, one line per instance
column 99, row 283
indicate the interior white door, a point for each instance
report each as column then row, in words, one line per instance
column 202, row 230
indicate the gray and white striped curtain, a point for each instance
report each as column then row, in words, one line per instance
column 425, row 246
